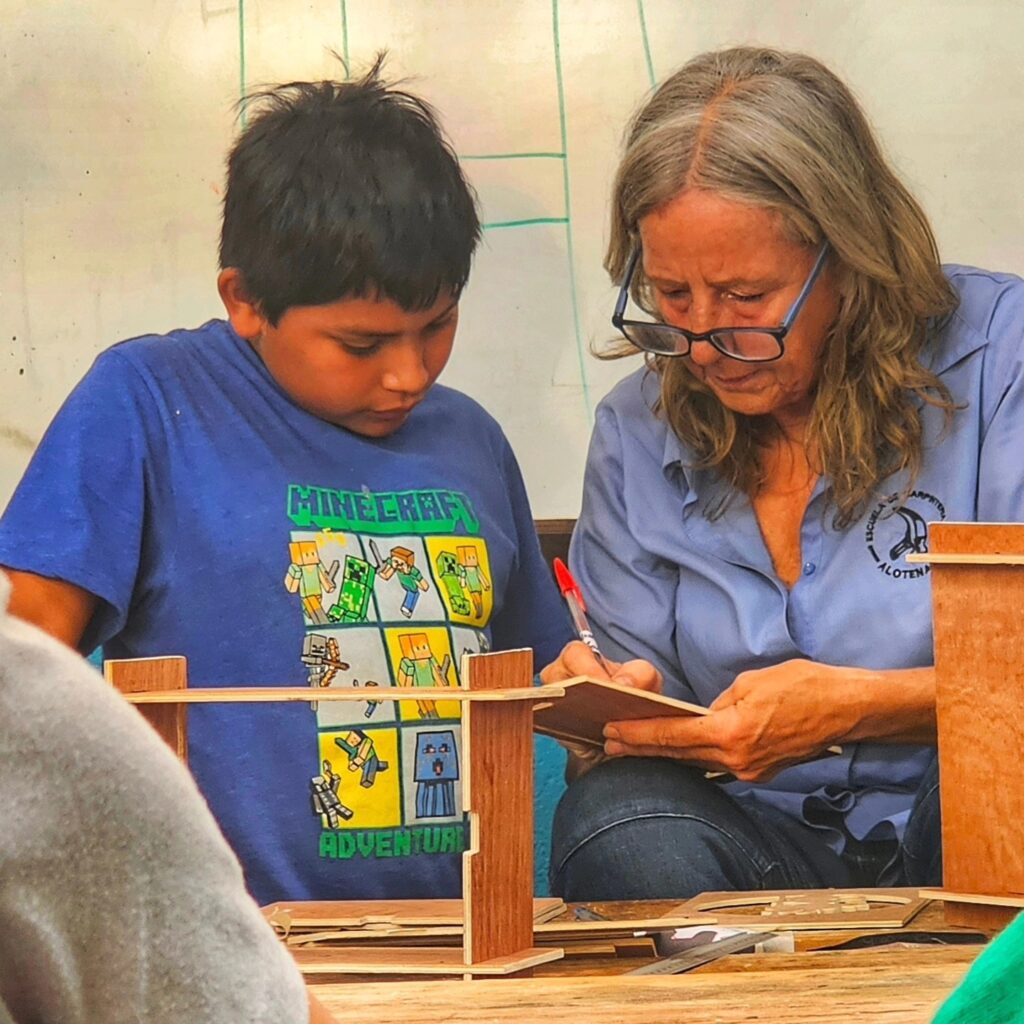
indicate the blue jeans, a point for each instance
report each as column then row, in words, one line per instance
column 652, row 828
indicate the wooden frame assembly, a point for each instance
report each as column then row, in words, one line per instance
column 497, row 698
column 978, row 594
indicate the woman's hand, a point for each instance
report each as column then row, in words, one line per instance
column 577, row 659
column 764, row 722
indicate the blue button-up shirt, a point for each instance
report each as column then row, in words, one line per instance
column 700, row 598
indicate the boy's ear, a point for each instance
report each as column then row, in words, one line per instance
column 244, row 314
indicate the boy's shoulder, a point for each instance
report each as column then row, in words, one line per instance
column 154, row 352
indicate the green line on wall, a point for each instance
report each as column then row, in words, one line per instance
column 580, row 355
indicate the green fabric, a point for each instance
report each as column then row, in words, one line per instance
column 993, row 990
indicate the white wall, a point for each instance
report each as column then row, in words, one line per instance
column 115, row 116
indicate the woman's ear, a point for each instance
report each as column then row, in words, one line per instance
column 243, row 312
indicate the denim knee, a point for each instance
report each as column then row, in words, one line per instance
column 651, row 828
column 922, row 840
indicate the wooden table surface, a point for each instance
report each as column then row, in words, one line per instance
column 900, row 984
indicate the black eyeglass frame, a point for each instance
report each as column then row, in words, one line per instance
column 778, row 333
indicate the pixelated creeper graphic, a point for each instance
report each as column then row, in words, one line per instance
column 448, row 571
column 354, row 592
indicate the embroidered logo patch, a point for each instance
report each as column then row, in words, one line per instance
column 898, row 528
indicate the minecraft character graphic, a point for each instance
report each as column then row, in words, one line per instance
column 400, row 563
column 449, row 573
column 361, row 756
column 371, row 705
column 322, row 658
column 325, row 799
column 353, row 600
column 473, row 577
column 307, row 577
column 419, row 667
column 435, row 772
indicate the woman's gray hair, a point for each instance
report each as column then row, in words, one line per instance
column 781, row 132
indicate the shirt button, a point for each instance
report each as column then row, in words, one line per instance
column 809, row 568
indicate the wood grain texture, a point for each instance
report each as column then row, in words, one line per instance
column 544, row 932
column 497, row 869
column 622, row 919
column 554, row 536
column 136, row 677
column 298, row 914
column 984, row 919
column 962, row 559
column 292, row 694
column 807, row 909
column 983, row 899
column 589, row 704
column 400, row 960
column 979, row 665
column 976, row 538
column 869, row 986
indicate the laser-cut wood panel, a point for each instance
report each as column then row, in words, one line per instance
column 141, row 675
column 979, row 664
column 497, row 872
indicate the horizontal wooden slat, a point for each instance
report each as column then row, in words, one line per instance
column 284, row 694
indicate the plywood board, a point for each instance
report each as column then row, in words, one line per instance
column 869, row 986
column 285, row 694
column 964, row 559
column 405, row 960
column 543, row 931
column 135, row 678
column 982, row 919
column 589, row 704
column 982, row 899
column 979, row 665
column 497, row 869
column 819, row 909
column 950, row 538
column 322, row 914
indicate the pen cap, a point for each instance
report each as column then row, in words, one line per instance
column 566, row 584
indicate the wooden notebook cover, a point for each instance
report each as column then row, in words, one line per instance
column 589, row 704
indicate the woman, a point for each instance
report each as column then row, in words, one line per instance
column 817, row 390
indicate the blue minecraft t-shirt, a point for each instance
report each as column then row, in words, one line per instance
column 215, row 519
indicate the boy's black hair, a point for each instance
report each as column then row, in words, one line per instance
column 346, row 189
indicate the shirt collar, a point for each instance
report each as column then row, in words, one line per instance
column 951, row 343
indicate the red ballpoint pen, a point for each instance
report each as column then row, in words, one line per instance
column 577, row 609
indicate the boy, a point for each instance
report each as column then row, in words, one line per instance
column 121, row 902
column 229, row 493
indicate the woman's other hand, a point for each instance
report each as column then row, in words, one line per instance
column 765, row 721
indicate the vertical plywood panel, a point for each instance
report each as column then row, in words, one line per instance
column 979, row 663
column 138, row 675
column 982, row 919
column 497, row 871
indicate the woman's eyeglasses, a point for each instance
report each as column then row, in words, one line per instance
column 747, row 344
